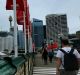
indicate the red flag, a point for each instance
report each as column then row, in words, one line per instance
column 27, row 16
column 20, row 17
column 20, row 14
column 19, row 5
column 27, row 20
column 25, row 4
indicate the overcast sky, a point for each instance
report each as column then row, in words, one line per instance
column 40, row 8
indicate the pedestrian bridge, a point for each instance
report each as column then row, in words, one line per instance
column 29, row 64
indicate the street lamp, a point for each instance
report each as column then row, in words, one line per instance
column 60, row 39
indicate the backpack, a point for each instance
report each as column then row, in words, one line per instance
column 70, row 61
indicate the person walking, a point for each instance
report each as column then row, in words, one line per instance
column 44, row 54
column 66, row 52
column 50, row 53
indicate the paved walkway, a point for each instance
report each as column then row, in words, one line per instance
column 44, row 71
column 39, row 62
column 41, row 69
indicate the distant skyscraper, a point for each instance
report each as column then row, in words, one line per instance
column 44, row 28
column 56, row 24
column 37, row 32
column 21, row 39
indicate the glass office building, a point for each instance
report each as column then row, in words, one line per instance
column 37, row 32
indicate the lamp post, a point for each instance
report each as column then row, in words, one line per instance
column 60, row 39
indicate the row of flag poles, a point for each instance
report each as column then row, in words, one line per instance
column 21, row 17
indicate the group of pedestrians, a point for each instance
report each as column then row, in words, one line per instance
column 47, row 54
column 67, row 58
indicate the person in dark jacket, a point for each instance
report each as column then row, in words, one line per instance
column 44, row 54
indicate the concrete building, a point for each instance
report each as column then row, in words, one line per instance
column 37, row 32
column 56, row 26
column 6, row 41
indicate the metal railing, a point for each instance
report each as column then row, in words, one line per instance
column 21, row 65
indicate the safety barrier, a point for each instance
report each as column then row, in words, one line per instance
column 21, row 65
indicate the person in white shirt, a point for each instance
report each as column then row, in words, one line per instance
column 60, row 59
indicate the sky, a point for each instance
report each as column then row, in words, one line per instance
column 40, row 8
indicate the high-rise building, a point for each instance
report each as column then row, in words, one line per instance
column 56, row 26
column 21, row 40
column 44, row 28
column 37, row 32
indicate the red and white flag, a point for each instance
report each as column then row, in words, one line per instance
column 19, row 5
column 20, row 17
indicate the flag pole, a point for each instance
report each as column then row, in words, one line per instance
column 25, row 32
column 15, row 29
column 28, row 40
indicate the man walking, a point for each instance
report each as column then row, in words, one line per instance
column 44, row 54
column 60, row 61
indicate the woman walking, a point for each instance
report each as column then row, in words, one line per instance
column 44, row 54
